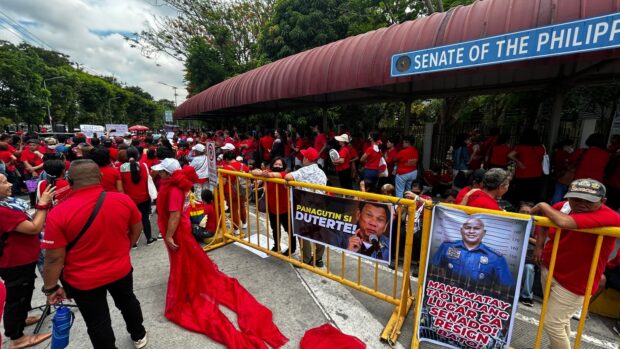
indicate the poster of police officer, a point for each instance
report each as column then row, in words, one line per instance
column 473, row 277
column 358, row 227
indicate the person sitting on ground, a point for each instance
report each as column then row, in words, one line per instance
column 475, row 182
column 208, row 224
column 495, row 183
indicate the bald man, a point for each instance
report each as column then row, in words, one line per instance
column 88, row 237
column 469, row 260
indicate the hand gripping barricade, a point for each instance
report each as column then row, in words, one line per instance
column 359, row 271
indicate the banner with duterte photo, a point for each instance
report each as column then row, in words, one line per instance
column 473, row 277
column 358, row 227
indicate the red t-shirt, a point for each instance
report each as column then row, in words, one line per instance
column 6, row 157
column 32, row 158
column 63, row 189
column 319, row 142
column 344, row 154
column 498, row 155
column 266, row 142
column 101, row 256
column 460, row 195
column 404, row 156
column 531, row 156
column 138, row 192
column 575, row 249
column 177, row 202
column 113, row 153
column 232, row 180
column 109, row 176
column 19, row 249
column 372, row 159
column 280, row 190
column 592, row 164
column 301, row 144
column 481, row 199
column 209, row 211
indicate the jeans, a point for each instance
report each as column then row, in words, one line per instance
column 558, row 193
column 145, row 211
column 19, row 283
column 94, row 308
column 273, row 222
column 527, row 285
column 373, row 177
column 404, row 181
column 561, row 307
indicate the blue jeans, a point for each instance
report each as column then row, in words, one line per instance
column 403, row 182
column 372, row 176
column 527, row 284
column 558, row 193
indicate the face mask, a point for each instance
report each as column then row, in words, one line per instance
column 277, row 169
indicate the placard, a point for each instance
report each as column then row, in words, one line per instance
column 89, row 130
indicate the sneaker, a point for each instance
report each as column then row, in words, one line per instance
column 151, row 241
column 577, row 315
column 244, row 226
column 319, row 263
column 141, row 343
column 134, row 247
column 274, row 249
column 527, row 302
column 159, row 237
column 236, row 232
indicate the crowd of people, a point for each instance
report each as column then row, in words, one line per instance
column 64, row 178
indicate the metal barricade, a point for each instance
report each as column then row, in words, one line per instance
column 539, row 222
column 337, row 265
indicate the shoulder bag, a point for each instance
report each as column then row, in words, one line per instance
column 88, row 222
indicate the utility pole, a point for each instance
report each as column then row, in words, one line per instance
column 49, row 113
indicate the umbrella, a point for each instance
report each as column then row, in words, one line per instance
column 138, row 128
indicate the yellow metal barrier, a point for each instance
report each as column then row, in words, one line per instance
column 400, row 297
column 539, row 222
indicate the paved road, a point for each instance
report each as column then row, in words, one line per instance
column 300, row 300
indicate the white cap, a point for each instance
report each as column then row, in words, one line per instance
column 239, row 158
column 228, row 146
column 342, row 138
column 190, row 139
column 199, row 147
column 168, row 164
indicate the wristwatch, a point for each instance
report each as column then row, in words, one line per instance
column 49, row 291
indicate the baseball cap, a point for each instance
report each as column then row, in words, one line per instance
column 228, row 146
column 127, row 134
column 310, row 153
column 168, row 164
column 199, row 147
column 586, row 189
column 190, row 139
column 342, row 138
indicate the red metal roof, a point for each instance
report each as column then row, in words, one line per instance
column 357, row 69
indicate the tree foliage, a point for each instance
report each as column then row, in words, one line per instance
column 73, row 96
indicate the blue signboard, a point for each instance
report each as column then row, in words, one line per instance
column 591, row 34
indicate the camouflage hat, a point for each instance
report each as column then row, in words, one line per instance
column 586, row 189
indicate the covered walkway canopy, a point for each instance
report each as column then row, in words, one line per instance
column 357, row 69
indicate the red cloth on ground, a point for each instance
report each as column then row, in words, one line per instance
column 329, row 337
column 196, row 287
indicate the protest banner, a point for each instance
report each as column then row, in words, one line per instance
column 359, row 227
column 473, row 278
column 116, row 129
column 89, row 130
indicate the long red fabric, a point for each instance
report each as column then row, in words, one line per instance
column 196, row 288
column 329, row 337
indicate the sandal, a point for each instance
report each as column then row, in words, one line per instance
column 31, row 320
column 30, row 340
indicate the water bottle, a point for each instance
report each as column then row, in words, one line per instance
column 61, row 326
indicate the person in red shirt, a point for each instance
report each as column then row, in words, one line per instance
column 390, row 157
column 277, row 205
column 134, row 176
column 495, row 183
column 592, row 161
column 301, row 143
column 371, row 159
column 343, row 163
column 497, row 153
column 19, row 244
column 584, row 209
column 235, row 200
column 55, row 170
column 528, row 180
column 97, row 261
column 320, row 144
column 406, row 167
column 32, row 160
column 110, row 176
column 476, row 183
column 113, row 151
column 208, row 207
column 264, row 145
column 9, row 160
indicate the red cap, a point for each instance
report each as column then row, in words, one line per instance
column 310, row 154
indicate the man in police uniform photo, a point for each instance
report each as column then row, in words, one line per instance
column 471, row 260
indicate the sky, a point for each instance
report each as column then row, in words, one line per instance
column 91, row 33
